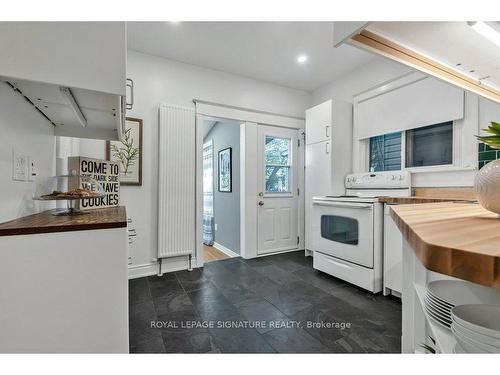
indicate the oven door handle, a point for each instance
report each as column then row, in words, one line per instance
column 345, row 205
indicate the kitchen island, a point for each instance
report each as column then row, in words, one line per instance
column 63, row 282
column 443, row 241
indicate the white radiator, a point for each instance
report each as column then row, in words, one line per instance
column 176, row 181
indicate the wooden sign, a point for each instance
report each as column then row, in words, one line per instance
column 106, row 172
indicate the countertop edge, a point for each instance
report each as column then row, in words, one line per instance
column 44, row 222
column 439, row 259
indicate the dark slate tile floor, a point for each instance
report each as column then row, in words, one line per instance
column 292, row 299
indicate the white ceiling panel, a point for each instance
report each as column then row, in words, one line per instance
column 455, row 44
column 266, row 51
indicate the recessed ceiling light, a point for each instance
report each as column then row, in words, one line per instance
column 302, row 59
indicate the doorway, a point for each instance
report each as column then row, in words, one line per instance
column 280, row 191
column 278, row 181
column 221, row 189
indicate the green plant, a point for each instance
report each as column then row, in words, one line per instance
column 428, row 347
column 492, row 140
column 126, row 153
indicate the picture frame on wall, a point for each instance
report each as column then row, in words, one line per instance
column 225, row 170
column 128, row 153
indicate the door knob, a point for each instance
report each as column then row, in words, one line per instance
column 261, row 203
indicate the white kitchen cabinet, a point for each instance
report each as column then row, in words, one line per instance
column 319, row 123
column 318, row 179
column 74, row 73
column 87, row 55
column 64, row 284
column 393, row 255
column 328, row 153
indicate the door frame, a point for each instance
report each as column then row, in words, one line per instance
column 248, row 187
column 297, row 176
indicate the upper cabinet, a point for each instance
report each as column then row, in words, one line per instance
column 466, row 54
column 319, row 123
column 74, row 73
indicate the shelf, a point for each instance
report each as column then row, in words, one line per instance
column 445, row 341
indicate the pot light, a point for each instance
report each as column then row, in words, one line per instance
column 485, row 29
column 302, row 59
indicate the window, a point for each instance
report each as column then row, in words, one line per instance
column 430, row 145
column 385, row 152
column 277, row 168
column 423, row 147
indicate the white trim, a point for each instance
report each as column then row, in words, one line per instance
column 247, row 115
column 300, row 248
column 388, row 86
column 142, row 270
column 249, row 189
column 225, row 250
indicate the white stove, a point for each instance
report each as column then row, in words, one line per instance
column 348, row 229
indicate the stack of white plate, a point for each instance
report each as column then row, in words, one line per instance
column 476, row 328
column 443, row 295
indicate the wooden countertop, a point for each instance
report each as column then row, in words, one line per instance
column 455, row 239
column 45, row 222
column 415, row 200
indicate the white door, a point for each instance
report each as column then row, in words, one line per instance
column 277, row 218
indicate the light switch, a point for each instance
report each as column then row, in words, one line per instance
column 31, row 169
column 19, row 166
column 215, row 227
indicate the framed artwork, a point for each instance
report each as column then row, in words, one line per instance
column 128, row 153
column 225, row 170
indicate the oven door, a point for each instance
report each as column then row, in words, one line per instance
column 344, row 230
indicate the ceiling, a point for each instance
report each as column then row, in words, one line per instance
column 455, row 44
column 265, row 51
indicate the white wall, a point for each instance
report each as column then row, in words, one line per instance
column 24, row 129
column 158, row 80
column 369, row 75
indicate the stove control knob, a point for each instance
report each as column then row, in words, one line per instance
column 401, row 177
column 393, row 177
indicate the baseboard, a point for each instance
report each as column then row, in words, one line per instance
column 278, row 252
column 225, row 250
column 142, row 270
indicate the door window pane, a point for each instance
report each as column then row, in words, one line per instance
column 340, row 229
column 277, row 164
column 277, row 150
column 430, row 145
column 385, row 152
column 277, row 179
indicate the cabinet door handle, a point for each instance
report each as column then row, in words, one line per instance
column 327, row 131
column 327, row 147
column 130, row 84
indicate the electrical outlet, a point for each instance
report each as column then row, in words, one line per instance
column 31, row 169
column 19, row 166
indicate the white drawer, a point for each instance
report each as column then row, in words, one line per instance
column 352, row 273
